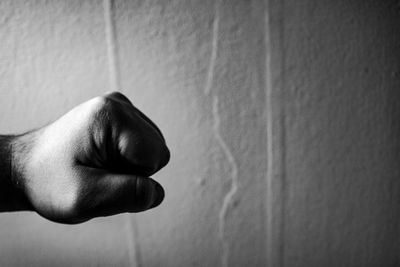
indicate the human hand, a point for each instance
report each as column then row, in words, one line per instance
column 94, row 161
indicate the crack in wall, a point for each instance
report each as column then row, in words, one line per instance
column 214, row 50
column 234, row 187
column 276, row 132
column 111, row 41
column 114, row 72
column 229, row 196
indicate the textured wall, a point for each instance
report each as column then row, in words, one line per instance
column 281, row 116
column 338, row 190
column 195, row 67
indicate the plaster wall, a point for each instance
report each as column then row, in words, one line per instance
column 281, row 117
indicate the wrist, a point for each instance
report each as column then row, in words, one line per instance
column 12, row 193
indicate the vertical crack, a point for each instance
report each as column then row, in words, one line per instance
column 114, row 72
column 234, row 186
column 276, row 131
column 230, row 195
column 111, row 40
column 214, row 50
column 135, row 258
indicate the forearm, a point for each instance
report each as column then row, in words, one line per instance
column 12, row 197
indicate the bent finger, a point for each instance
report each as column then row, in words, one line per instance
column 118, row 193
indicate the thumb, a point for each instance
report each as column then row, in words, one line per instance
column 111, row 194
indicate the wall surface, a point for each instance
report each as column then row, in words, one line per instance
column 336, row 66
column 197, row 69
column 281, row 117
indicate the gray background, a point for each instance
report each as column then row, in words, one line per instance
column 282, row 118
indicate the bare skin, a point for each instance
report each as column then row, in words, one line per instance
column 93, row 161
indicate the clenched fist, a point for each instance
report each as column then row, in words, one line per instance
column 94, row 161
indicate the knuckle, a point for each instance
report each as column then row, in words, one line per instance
column 150, row 154
column 106, row 101
column 165, row 157
column 104, row 107
column 118, row 96
column 115, row 94
column 100, row 101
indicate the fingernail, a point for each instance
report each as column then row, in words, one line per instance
column 159, row 196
